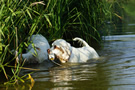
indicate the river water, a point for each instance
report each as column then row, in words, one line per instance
column 115, row 70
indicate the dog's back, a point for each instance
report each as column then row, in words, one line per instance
column 86, row 52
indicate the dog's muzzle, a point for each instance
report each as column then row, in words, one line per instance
column 51, row 56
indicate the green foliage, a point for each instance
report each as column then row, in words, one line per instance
column 129, row 8
column 54, row 19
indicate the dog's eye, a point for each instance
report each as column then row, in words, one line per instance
column 55, row 46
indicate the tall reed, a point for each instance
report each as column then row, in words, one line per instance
column 54, row 19
column 16, row 16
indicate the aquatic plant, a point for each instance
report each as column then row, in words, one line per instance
column 18, row 20
column 54, row 19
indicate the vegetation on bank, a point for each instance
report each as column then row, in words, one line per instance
column 54, row 19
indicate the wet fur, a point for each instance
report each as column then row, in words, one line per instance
column 67, row 53
column 37, row 50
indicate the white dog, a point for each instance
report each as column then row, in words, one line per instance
column 37, row 50
column 63, row 51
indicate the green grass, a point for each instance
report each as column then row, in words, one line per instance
column 54, row 19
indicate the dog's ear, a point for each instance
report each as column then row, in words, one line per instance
column 48, row 50
column 67, row 48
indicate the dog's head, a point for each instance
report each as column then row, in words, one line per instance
column 60, row 50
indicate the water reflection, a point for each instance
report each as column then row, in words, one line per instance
column 64, row 77
column 120, row 68
column 74, row 73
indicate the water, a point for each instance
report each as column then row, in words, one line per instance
column 120, row 67
column 114, row 71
